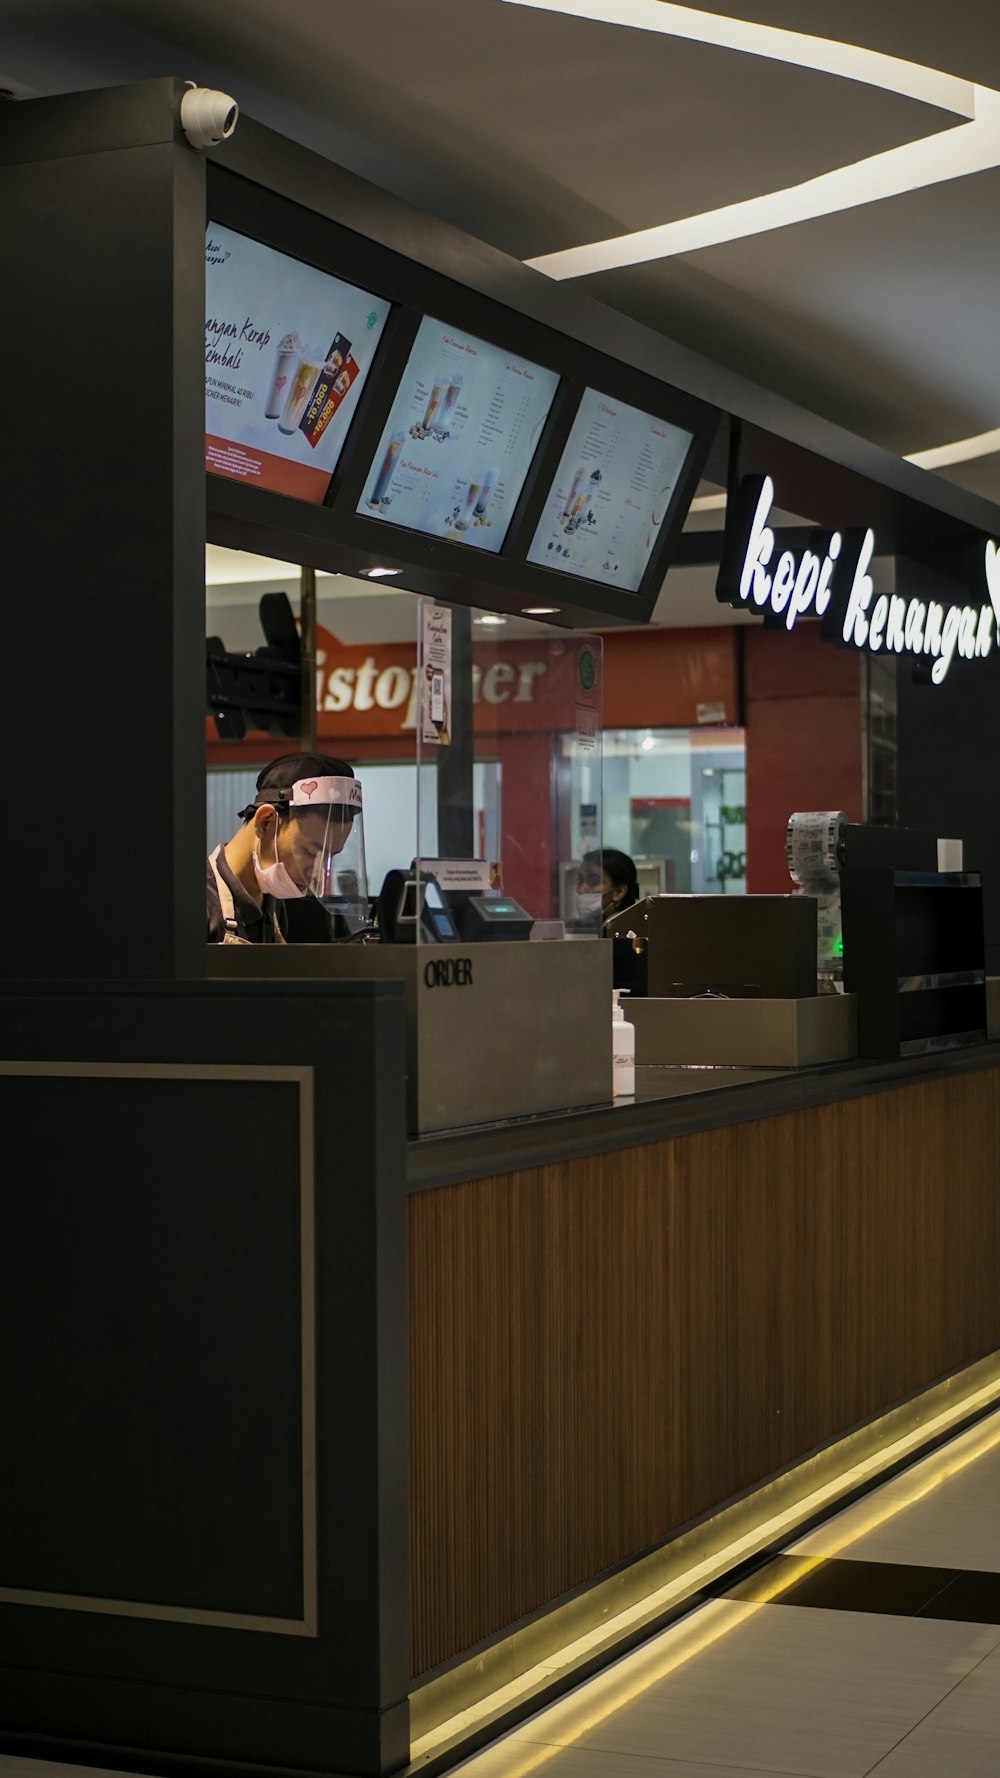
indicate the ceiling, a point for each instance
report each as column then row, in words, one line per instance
column 541, row 131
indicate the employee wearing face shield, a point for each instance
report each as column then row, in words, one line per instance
column 302, row 836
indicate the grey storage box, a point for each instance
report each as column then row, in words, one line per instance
column 494, row 1031
column 745, row 1033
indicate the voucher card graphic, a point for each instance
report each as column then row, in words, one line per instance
column 612, row 491
column 460, row 438
column 435, row 664
column 287, row 350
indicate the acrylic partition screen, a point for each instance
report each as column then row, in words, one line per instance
column 611, row 493
column 458, row 444
column 509, row 759
column 675, row 801
column 287, row 351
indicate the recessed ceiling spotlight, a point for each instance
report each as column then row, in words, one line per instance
column 379, row 573
column 490, row 619
column 540, row 610
column 648, row 743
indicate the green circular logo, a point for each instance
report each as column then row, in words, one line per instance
column 587, row 669
column 372, row 319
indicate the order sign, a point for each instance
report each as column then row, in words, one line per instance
column 287, row 351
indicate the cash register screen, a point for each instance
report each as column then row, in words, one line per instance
column 436, row 914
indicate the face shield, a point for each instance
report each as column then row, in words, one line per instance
column 325, row 841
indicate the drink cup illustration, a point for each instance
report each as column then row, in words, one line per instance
column 386, row 470
column 434, row 402
column 303, row 384
column 286, row 359
column 472, row 494
column 661, row 503
column 580, row 508
column 485, row 493
column 573, row 495
column 451, row 395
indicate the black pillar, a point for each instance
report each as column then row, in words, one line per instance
column 456, row 836
column 949, row 781
column 103, row 219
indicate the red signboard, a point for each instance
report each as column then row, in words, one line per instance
column 366, row 694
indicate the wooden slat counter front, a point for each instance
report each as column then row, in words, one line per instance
column 621, row 1320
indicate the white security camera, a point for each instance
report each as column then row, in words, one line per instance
column 207, row 117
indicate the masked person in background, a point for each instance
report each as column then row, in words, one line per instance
column 610, row 879
column 607, row 882
column 305, row 818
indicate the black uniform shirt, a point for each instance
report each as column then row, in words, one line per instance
column 255, row 924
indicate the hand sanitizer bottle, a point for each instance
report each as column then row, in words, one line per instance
column 622, row 1050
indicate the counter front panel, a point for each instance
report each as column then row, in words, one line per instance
column 607, row 1347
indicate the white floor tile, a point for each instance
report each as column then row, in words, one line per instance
column 823, row 1694
column 931, row 1752
column 927, row 1515
column 524, row 1759
column 975, row 1704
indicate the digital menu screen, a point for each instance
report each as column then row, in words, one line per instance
column 611, row 494
column 458, row 444
column 287, row 351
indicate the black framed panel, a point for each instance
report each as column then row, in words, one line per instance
column 664, row 549
column 205, row 1555
column 284, row 167
column 351, row 541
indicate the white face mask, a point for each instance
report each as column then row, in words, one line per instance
column 273, row 879
column 588, row 904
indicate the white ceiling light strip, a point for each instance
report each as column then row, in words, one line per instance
column 822, row 54
column 953, row 153
column 964, row 450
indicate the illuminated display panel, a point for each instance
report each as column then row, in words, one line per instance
column 463, row 429
column 287, row 352
column 611, row 493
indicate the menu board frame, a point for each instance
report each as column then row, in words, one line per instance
column 328, row 384
column 336, row 535
column 589, row 501
column 441, row 469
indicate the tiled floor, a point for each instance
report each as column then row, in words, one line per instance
column 870, row 1647
column 953, row 1524
column 847, row 1655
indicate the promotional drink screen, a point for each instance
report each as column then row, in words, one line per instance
column 611, row 493
column 463, row 429
column 287, row 351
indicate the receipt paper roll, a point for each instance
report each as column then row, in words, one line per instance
column 814, row 848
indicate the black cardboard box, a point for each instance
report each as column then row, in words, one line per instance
column 739, row 945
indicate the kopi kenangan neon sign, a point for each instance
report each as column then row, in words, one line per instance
column 832, row 581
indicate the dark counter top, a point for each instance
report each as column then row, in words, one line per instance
column 670, row 1102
